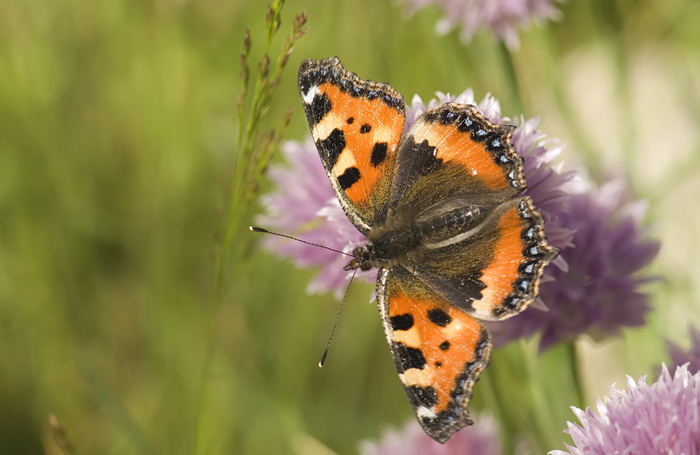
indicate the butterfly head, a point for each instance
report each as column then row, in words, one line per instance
column 385, row 248
column 362, row 259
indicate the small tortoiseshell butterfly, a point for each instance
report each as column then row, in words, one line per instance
column 445, row 225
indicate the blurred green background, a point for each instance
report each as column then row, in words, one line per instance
column 117, row 142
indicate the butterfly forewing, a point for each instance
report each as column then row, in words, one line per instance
column 356, row 126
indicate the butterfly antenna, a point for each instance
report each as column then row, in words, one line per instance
column 335, row 326
column 265, row 231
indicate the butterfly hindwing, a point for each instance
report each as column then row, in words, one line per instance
column 357, row 126
column 491, row 271
column 439, row 351
column 457, row 181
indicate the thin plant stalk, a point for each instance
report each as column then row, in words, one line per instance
column 252, row 156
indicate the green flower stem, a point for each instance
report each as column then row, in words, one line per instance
column 611, row 22
column 529, row 394
column 512, row 78
column 584, row 147
column 574, row 365
column 495, row 404
column 252, row 156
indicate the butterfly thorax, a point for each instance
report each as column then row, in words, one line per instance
column 388, row 246
column 384, row 248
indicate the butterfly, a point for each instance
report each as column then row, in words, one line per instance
column 453, row 239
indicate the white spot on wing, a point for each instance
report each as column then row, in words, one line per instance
column 423, row 412
column 309, row 96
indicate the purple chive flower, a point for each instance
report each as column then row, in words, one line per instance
column 502, row 17
column 304, row 204
column 478, row 439
column 598, row 292
column 663, row 418
column 691, row 356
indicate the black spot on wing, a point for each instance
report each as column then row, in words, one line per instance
column 469, row 284
column 320, row 107
column 364, row 129
column 479, row 134
column 402, row 322
column 423, row 156
column 379, row 153
column 465, row 123
column 501, row 310
column 304, row 79
column 448, row 117
column 410, row 357
column 431, row 116
column 332, row 147
column 422, row 396
column 452, row 115
column 350, row 120
column 445, row 345
column 349, row 177
column 439, row 317
column 495, row 145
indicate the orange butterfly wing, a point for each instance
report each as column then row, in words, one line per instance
column 454, row 161
column 357, row 126
column 439, row 351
